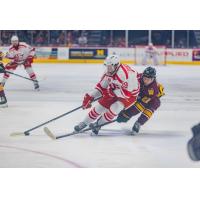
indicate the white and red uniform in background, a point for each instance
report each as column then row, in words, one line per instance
column 151, row 52
column 22, row 54
column 119, row 91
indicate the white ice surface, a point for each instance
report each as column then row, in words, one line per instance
column 162, row 142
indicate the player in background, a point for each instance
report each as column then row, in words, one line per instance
column 151, row 53
column 148, row 100
column 3, row 100
column 118, row 89
column 193, row 145
column 20, row 53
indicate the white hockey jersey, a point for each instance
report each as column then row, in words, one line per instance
column 20, row 52
column 151, row 51
column 124, row 82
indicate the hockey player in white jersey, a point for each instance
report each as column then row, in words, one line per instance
column 20, row 53
column 118, row 89
column 151, row 53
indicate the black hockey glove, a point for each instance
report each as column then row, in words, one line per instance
column 2, row 69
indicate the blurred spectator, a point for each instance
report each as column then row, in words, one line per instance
column 181, row 43
column 54, row 37
column 121, row 42
column 69, row 38
column 82, row 40
column 61, row 38
column 106, row 38
column 5, row 37
column 168, row 43
column 40, row 38
column 24, row 36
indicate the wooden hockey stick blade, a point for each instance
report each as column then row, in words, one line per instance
column 17, row 134
column 49, row 133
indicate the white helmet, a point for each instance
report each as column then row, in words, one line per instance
column 14, row 39
column 112, row 60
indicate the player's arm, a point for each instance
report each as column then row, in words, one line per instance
column 10, row 55
column 99, row 90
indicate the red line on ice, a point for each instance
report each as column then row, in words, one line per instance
column 44, row 154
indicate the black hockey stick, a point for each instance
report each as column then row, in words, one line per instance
column 20, row 76
column 27, row 132
column 52, row 136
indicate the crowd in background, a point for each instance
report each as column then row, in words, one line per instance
column 103, row 38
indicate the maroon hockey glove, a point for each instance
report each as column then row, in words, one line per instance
column 87, row 101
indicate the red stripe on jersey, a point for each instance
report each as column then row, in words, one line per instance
column 112, row 112
column 96, row 112
column 125, row 70
column 106, row 117
column 118, row 78
column 126, row 93
column 91, row 116
column 100, row 88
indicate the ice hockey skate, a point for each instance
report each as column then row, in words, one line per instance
column 36, row 86
column 80, row 127
column 136, row 128
column 95, row 128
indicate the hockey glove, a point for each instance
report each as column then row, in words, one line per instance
column 87, row 101
column 2, row 69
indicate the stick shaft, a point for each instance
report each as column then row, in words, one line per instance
column 20, row 76
column 58, row 117
column 87, row 129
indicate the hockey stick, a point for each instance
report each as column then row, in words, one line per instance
column 53, row 137
column 20, row 76
column 27, row 132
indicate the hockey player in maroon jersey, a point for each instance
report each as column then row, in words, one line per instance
column 148, row 100
column 20, row 53
column 118, row 88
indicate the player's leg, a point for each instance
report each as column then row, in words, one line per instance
column 9, row 67
column 144, row 59
column 147, row 113
column 96, row 112
column 3, row 100
column 155, row 60
column 32, row 75
column 127, row 114
column 108, row 116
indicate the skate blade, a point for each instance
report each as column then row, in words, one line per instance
column 133, row 133
column 17, row 134
column 4, row 106
column 49, row 133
